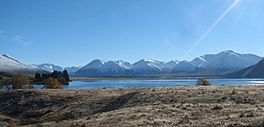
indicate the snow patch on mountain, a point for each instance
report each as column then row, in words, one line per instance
column 95, row 64
column 50, row 67
column 9, row 64
column 147, row 65
column 104, row 68
column 225, row 60
column 183, row 66
column 171, row 64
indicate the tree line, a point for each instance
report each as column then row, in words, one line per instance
column 54, row 80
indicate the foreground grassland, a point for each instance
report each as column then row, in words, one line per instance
column 180, row 106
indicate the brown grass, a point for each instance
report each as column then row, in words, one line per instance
column 20, row 81
column 180, row 106
column 52, row 83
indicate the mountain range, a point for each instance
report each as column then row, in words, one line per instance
column 210, row 64
column 11, row 65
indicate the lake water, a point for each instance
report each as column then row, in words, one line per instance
column 158, row 83
column 90, row 84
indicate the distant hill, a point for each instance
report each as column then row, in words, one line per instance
column 52, row 67
column 255, row 71
column 72, row 70
column 11, row 65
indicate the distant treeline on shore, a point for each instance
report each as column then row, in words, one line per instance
column 54, row 80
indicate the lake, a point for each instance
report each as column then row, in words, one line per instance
column 90, row 84
column 157, row 83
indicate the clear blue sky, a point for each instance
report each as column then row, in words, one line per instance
column 74, row 32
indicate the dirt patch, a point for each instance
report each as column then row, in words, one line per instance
column 117, row 103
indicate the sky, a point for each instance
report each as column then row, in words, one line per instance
column 74, row 32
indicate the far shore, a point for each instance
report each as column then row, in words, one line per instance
column 143, row 78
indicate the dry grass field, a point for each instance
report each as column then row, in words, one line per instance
column 179, row 106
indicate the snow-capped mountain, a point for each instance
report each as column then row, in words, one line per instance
column 183, row 66
column 121, row 68
column 11, row 65
column 170, row 65
column 114, row 67
column 50, row 67
column 198, row 61
column 123, row 64
column 210, row 64
column 226, row 60
column 72, row 70
column 146, row 66
column 95, row 64
column 102, row 68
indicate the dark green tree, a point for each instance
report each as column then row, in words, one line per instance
column 66, row 76
column 38, row 77
column 45, row 76
column 55, row 74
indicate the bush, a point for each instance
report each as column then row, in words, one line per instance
column 53, row 83
column 202, row 82
column 20, row 81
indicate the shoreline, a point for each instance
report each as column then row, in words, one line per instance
column 141, row 78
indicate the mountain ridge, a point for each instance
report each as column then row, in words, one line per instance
column 11, row 65
column 209, row 64
column 254, row 71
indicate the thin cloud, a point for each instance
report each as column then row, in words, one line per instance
column 26, row 43
column 2, row 36
column 18, row 38
column 21, row 40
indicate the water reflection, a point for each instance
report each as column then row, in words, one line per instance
column 36, row 86
column 10, row 87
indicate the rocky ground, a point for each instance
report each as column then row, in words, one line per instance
column 180, row 106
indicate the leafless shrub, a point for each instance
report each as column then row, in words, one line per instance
column 20, row 81
column 202, row 82
column 52, row 83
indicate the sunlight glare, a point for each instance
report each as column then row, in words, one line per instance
column 212, row 27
